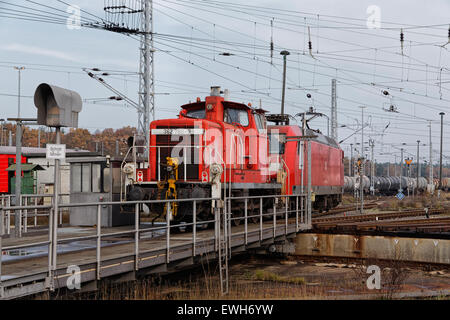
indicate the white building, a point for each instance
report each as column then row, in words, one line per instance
column 45, row 178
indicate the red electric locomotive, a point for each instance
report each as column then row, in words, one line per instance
column 218, row 147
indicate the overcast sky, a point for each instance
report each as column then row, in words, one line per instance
column 187, row 62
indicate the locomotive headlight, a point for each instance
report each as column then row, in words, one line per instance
column 209, row 107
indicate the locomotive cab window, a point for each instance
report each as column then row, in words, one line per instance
column 197, row 114
column 236, row 116
column 277, row 143
column 260, row 121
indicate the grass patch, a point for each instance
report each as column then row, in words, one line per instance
column 270, row 276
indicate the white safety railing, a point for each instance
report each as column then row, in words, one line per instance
column 27, row 214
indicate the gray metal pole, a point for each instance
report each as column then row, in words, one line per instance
column 309, row 183
column 18, row 100
column 351, row 160
column 10, row 138
column 389, row 167
column 56, row 192
column 18, row 190
column 361, row 189
column 18, row 93
column 440, row 157
column 418, row 165
column 401, row 168
column 284, row 54
column 372, row 167
column 431, row 159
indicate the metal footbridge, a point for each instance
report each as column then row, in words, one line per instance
column 52, row 256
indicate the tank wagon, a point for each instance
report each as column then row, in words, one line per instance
column 217, row 147
column 387, row 185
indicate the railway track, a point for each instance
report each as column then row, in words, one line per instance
column 414, row 220
column 378, row 216
column 368, row 205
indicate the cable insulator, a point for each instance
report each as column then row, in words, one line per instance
column 402, row 38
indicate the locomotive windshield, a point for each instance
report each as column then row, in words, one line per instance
column 197, row 114
column 236, row 116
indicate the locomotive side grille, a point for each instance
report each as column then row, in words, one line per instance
column 168, row 143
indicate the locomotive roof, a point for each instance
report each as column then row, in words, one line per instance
column 319, row 137
column 322, row 138
column 228, row 104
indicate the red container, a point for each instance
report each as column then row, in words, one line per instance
column 5, row 163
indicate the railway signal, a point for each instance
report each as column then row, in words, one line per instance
column 57, row 107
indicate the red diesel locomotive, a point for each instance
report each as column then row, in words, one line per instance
column 217, row 147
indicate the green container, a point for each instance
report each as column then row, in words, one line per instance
column 28, row 183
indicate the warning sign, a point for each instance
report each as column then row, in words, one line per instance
column 205, row 176
column 140, row 176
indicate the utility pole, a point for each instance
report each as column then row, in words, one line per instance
column 39, row 137
column 408, row 173
column 17, row 215
column 430, row 182
column 56, row 193
column 351, row 160
column 18, row 91
column 401, row 169
column 284, row 53
column 334, row 133
column 372, row 167
column 440, row 157
column 418, row 165
column 18, row 182
column 389, row 167
column 361, row 189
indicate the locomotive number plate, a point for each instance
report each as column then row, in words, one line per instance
column 178, row 131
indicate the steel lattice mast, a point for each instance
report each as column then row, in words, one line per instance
column 135, row 17
column 334, row 133
column 146, row 71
